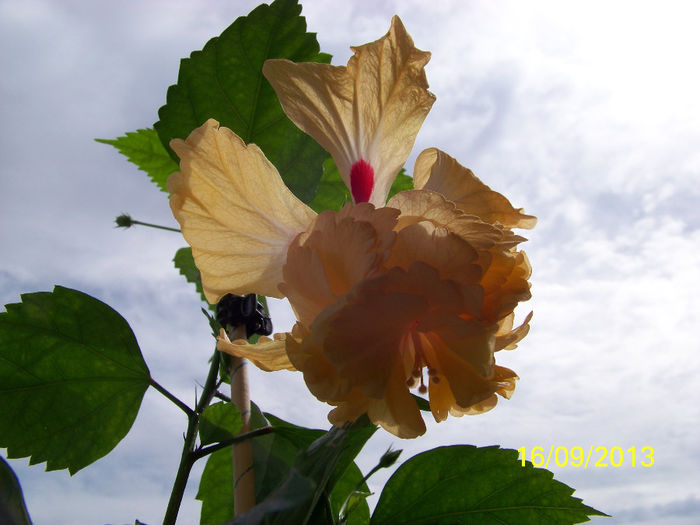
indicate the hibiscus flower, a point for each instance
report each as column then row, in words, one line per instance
column 417, row 293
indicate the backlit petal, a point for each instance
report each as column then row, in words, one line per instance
column 369, row 111
column 437, row 171
column 235, row 211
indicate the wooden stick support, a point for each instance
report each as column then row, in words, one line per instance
column 243, row 474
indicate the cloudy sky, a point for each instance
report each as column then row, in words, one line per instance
column 584, row 113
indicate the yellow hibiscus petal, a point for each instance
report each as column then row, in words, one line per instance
column 437, row 171
column 268, row 354
column 369, row 111
column 235, row 211
column 397, row 411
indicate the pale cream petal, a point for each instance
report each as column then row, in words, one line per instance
column 268, row 354
column 436, row 171
column 370, row 110
column 235, row 211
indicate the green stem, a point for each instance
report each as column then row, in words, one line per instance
column 188, row 456
column 232, row 441
column 187, row 410
column 133, row 221
column 183, row 472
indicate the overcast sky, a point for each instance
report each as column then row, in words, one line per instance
column 584, row 113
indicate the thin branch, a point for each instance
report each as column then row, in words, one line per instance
column 200, row 453
column 186, row 409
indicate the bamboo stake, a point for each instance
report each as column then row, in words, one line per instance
column 243, row 475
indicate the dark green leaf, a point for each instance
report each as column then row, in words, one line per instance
column 348, row 486
column 216, row 488
column 72, row 379
column 422, row 403
column 464, row 484
column 144, row 148
column 13, row 511
column 292, row 449
column 332, row 193
column 312, row 470
column 294, row 490
column 219, row 422
column 224, row 81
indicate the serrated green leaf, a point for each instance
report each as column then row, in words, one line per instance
column 332, row 193
column 13, row 511
column 72, row 379
column 469, row 485
column 224, row 81
column 219, row 421
column 143, row 148
column 184, row 262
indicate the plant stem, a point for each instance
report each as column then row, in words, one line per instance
column 187, row 410
column 134, row 221
column 200, row 453
column 183, row 472
column 188, row 456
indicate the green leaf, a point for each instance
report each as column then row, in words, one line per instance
column 332, row 193
column 224, row 81
column 423, row 404
column 143, row 148
column 216, row 488
column 274, row 456
column 219, row 421
column 184, row 262
column 464, row 484
column 402, row 182
column 13, row 511
column 72, row 379
column 300, row 497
